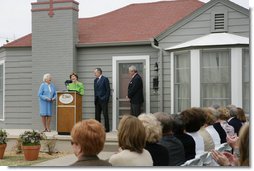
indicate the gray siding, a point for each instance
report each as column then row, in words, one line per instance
column 238, row 23
column 90, row 58
column 18, row 88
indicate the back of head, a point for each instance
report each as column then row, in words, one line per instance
column 244, row 145
column 152, row 127
column 210, row 118
column 241, row 115
column 223, row 113
column 131, row 134
column 166, row 121
column 90, row 134
column 178, row 125
column 232, row 110
column 191, row 120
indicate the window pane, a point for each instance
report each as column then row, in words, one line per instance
column 181, row 82
column 1, row 91
column 246, row 81
column 215, row 78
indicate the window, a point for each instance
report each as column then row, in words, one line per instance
column 215, row 77
column 246, row 80
column 182, row 99
column 1, row 90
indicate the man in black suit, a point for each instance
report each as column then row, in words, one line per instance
column 135, row 91
column 101, row 96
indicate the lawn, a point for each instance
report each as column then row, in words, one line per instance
column 13, row 159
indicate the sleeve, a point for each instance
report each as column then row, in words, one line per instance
column 135, row 86
column 107, row 89
column 81, row 89
column 40, row 93
column 54, row 93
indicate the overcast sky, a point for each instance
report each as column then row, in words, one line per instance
column 15, row 15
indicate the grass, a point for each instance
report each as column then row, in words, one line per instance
column 13, row 159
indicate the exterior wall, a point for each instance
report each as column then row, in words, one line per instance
column 53, row 48
column 238, row 23
column 18, row 88
column 90, row 58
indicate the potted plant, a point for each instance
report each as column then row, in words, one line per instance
column 3, row 139
column 30, row 141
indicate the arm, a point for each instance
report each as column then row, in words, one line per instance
column 136, row 83
column 107, row 89
column 81, row 89
column 40, row 94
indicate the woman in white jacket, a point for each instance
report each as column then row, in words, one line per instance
column 131, row 140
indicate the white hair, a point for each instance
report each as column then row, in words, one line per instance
column 46, row 77
column 132, row 68
column 152, row 126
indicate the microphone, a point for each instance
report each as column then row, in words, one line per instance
column 67, row 82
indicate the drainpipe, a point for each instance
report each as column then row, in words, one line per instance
column 160, row 74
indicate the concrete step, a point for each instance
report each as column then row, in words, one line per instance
column 62, row 142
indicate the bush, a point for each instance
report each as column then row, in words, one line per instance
column 3, row 136
column 31, row 138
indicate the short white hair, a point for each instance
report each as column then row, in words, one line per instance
column 132, row 68
column 46, row 77
column 152, row 126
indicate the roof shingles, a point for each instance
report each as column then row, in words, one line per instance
column 136, row 22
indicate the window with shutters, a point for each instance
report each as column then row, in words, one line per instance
column 219, row 22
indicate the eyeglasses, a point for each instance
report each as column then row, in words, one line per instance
column 72, row 142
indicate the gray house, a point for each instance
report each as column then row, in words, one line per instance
column 188, row 53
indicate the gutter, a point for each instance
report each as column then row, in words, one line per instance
column 160, row 74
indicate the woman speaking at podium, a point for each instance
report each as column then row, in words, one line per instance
column 75, row 85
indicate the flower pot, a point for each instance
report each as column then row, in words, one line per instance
column 2, row 149
column 31, row 152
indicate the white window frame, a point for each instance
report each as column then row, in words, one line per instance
column 2, row 62
column 236, row 77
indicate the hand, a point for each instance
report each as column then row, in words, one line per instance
column 232, row 158
column 127, row 98
column 220, row 158
column 233, row 141
column 49, row 99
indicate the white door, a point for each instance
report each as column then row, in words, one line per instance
column 121, row 105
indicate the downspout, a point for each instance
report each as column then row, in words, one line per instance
column 160, row 74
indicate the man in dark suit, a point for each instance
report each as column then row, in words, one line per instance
column 101, row 96
column 135, row 91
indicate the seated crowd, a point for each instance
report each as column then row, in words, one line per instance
column 163, row 139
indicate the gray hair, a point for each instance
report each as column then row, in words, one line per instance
column 132, row 68
column 152, row 126
column 46, row 77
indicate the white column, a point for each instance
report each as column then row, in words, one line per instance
column 172, row 81
column 195, row 78
column 236, row 77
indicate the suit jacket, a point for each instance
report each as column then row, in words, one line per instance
column 91, row 161
column 236, row 123
column 135, row 90
column 101, row 89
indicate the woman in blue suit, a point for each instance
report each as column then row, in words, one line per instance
column 47, row 94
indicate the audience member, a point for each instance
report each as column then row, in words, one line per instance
column 228, row 159
column 153, row 129
column 88, row 138
column 241, row 115
column 131, row 140
column 233, row 121
column 187, row 140
column 192, row 125
column 208, row 141
column 210, row 120
column 174, row 145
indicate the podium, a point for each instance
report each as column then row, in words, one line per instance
column 68, row 110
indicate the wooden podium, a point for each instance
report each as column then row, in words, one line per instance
column 69, row 111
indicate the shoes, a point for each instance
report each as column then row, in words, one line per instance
column 46, row 130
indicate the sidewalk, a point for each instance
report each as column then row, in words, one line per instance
column 69, row 159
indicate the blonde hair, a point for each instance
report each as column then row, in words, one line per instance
column 131, row 134
column 152, row 127
column 46, row 77
column 244, row 145
column 90, row 135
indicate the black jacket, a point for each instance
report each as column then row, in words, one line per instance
column 101, row 89
column 135, row 90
